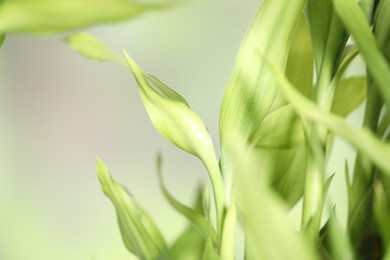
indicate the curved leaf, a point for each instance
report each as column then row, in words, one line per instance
column 140, row 235
column 53, row 16
column 93, row 48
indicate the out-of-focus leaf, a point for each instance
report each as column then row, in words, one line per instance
column 53, row 16
column 263, row 214
column 182, row 127
column 139, row 233
column 382, row 212
column 384, row 125
column 339, row 241
column 192, row 215
column 189, row 245
column 363, row 140
column 93, row 48
column 280, row 129
column 229, row 231
column 210, row 252
column 356, row 23
column 349, row 94
column 2, row 38
column 382, row 27
column 300, row 67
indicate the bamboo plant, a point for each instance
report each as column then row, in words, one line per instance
column 287, row 98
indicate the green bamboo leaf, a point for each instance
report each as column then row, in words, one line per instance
column 93, row 48
column 251, row 90
column 363, row 140
column 280, row 129
column 356, row 23
column 319, row 15
column 54, row 16
column 139, row 233
column 194, row 216
column 349, row 94
column 299, row 69
column 182, row 127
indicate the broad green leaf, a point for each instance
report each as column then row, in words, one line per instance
column 53, row 16
column 363, row 140
column 299, row 69
column 182, row 127
column 356, row 23
column 192, row 215
column 349, row 94
column 339, row 241
column 280, row 129
column 139, row 233
column 93, row 48
column 251, row 90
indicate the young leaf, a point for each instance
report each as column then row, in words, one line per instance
column 93, row 48
column 175, row 121
column 139, row 233
column 356, row 23
column 349, row 94
column 195, row 217
column 53, row 16
column 229, row 231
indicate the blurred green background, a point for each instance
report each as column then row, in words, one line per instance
column 59, row 110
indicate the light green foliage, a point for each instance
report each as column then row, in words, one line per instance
column 277, row 125
column 53, row 16
column 92, row 48
column 139, row 233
